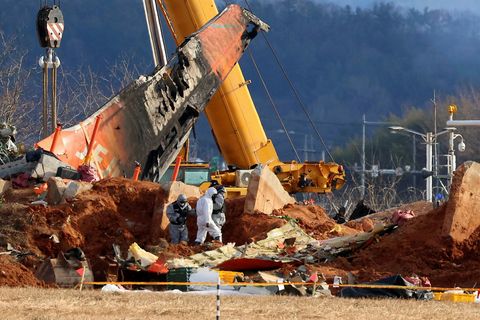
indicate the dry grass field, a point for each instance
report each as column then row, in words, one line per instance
column 42, row 304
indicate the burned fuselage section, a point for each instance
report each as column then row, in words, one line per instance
column 150, row 120
column 181, row 95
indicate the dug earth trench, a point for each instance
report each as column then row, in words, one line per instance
column 120, row 211
column 424, row 246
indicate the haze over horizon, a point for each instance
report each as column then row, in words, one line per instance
column 461, row 5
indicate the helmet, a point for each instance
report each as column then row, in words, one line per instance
column 182, row 199
column 213, row 183
column 220, row 189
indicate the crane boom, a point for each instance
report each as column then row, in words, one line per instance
column 232, row 115
column 234, row 119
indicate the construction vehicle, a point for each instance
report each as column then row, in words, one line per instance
column 235, row 123
column 154, row 135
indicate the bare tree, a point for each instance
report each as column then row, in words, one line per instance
column 15, row 107
column 82, row 92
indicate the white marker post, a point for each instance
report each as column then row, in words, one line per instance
column 218, row 297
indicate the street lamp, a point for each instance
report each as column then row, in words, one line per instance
column 452, row 159
column 429, row 139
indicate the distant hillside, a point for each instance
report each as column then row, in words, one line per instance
column 344, row 61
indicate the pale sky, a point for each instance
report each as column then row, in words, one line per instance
column 463, row 5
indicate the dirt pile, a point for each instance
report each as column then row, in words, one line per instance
column 314, row 220
column 418, row 247
column 115, row 211
column 245, row 227
column 14, row 274
column 120, row 211
column 422, row 247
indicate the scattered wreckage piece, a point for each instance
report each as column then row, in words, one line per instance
column 8, row 149
column 400, row 217
column 361, row 210
column 140, row 265
column 282, row 245
column 145, row 258
column 38, row 164
column 396, row 280
column 67, row 270
column 4, row 186
column 329, row 249
column 17, row 254
column 265, row 192
column 150, row 120
column 60, row 190
column 273, row 248
column 249, row 264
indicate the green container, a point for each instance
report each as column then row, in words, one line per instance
column 179, row 275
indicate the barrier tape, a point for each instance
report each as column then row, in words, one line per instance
column 270, row 284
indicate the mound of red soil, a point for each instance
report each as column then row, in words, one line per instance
column 363, row 225
column 417, row 247
column 243, row 228
column 115, row 211
column 442, row 245
column 314, row 221
column 14, row 274
column 120, row 210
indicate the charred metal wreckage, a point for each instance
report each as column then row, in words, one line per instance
column 149, row 120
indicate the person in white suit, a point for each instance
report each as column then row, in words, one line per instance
column 204, row 218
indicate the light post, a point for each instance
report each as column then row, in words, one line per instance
column 430, row 139
column 362, row 178
column 364, row 165
column 452, row 159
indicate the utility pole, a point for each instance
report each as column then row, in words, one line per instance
column 414, row 160
column 364, row 169
column 430, row 139
column 308, row 150
column 435, row 149
column 429, row 158
column 362, row 181
column 452, row 159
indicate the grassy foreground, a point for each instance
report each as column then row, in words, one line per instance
column 42, row 304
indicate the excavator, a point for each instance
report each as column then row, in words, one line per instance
column 149, row 121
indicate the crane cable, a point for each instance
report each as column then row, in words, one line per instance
column 273, row 104
column 271, row 99
column 302, row 105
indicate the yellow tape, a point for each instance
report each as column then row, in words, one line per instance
column 269, row 284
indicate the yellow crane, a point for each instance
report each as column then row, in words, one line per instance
column 235, row 123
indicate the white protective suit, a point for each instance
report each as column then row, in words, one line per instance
column 204, row 218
